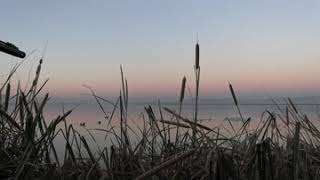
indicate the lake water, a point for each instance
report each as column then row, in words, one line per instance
column 88, row 111
column 212, row 113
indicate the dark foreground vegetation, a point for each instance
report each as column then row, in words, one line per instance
column 283, row 146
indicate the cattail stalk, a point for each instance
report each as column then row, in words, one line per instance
column 197, row 75
column 237, row 105
column 183, row 87
column 235, row 101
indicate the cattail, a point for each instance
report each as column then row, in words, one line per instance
column 39, row 68
column 233, row 95
column 197, row 56
column 183, row 87
column 35, row 81
column 6, row 102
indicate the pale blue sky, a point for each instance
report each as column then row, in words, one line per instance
column 257, row 45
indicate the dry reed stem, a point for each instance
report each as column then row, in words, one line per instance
column 166, row 164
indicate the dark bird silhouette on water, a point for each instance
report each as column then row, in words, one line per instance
column 11, row 49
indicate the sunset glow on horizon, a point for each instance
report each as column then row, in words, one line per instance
column 260, row 47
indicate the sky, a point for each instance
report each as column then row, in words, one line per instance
column 261, row 47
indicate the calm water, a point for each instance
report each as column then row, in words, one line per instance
column 88, row 111
column 212, row 112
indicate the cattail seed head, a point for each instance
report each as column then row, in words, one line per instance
column 6, row 103
column 197, row 56
column 183, row 87
column 233, row 95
